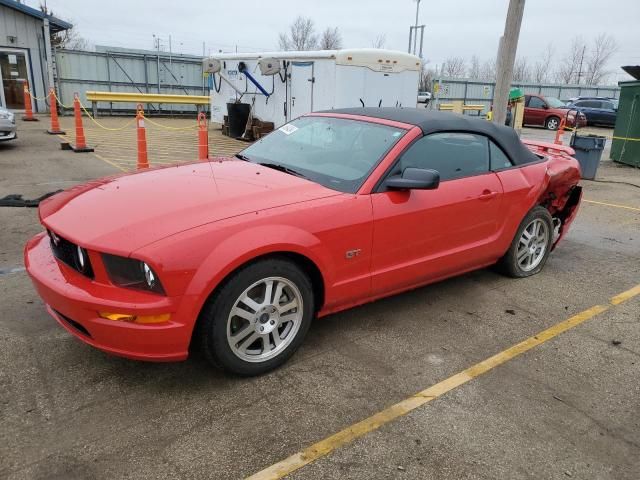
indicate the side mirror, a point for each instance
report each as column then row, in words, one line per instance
column 414, row 179
column 545, row 106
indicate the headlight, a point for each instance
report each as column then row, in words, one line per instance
column 6, row 115
column 131, row 273
column 81, row 258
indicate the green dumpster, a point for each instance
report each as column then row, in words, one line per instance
column 625, row 147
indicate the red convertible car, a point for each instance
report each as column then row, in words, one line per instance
column 332, row 210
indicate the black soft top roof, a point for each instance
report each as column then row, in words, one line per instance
column 432, row 121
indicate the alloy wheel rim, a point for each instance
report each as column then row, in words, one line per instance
column 264, row 319
column 553, row 123
column 532, row 245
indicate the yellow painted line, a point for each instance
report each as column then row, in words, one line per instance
column 357, row 430
column 624, row 296
column 613, row 205
column 100, row 157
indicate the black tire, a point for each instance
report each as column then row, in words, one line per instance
column 552, row 123
column 509, row 264
column 211, row 332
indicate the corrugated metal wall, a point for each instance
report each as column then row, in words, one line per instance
column 79, row 71
column 481, row 93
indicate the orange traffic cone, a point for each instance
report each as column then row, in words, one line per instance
column 203, row 137
column 81, row 142
column 143, row 161
column 55, row 123
column 560, row 132
column 28, row 111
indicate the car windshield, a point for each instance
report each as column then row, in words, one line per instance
column 554, row 102
column 335, row 152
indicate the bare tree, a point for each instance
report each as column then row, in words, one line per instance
column 454, row 67
column 540, row 72
column 427, row 77
column 569, row 68
column 604, row 46
column 331, row 39
column 521, row 70
column 380, row 41
column 67, row 38
column 474, row 68
column 488, row 71
column 301, row 35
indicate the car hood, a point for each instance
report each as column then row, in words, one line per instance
column 124, row 213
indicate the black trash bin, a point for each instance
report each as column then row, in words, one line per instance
column 238, row 115
column 588, row 152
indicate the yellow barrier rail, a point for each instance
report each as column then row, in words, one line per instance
column 459, row 107
column 147, row 98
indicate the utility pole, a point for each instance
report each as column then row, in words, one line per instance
column 506, row 59
column 581, row 60
column 415, row 32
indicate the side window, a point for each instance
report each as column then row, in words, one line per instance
column 452, row 154
column 527, row 99
column 536, row 102
column 499, row 159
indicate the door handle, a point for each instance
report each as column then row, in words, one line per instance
column 488, row 195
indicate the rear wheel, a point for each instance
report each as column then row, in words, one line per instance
column 552, row 123
column 531, row 245
column 259, row 318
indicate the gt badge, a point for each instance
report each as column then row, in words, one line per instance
column 352, row 253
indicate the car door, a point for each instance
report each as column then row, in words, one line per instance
column 422, row 235
column 608, row 113
column 535, row 111
column 590, row 110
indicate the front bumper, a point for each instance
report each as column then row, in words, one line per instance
column 7, row 130
column 75, row 300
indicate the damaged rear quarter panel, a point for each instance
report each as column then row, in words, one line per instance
column 551, row 183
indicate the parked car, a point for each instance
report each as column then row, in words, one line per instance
column 424, row 97
column 332, row 210
column 597, row 110
column 8, row 129
column 548, row 111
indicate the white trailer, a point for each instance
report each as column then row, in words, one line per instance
column 296, row 83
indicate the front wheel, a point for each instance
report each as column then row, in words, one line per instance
column 531, row 246
column 552, row 123
column 259, row 317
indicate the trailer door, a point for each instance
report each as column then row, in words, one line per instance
column 301, row 88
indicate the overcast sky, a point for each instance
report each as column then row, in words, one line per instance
column 453, row 27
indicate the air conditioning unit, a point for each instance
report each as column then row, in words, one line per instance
column 269, row 66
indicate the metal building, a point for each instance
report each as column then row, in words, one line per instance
column 25, row 53
column 625, row 147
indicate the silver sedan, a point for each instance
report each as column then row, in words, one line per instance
column 7, row 125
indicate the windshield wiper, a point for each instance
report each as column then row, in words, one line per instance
column 282, row 168
column 242, row 157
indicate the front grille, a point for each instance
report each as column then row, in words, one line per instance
column 67, row 252
column 73, row 324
